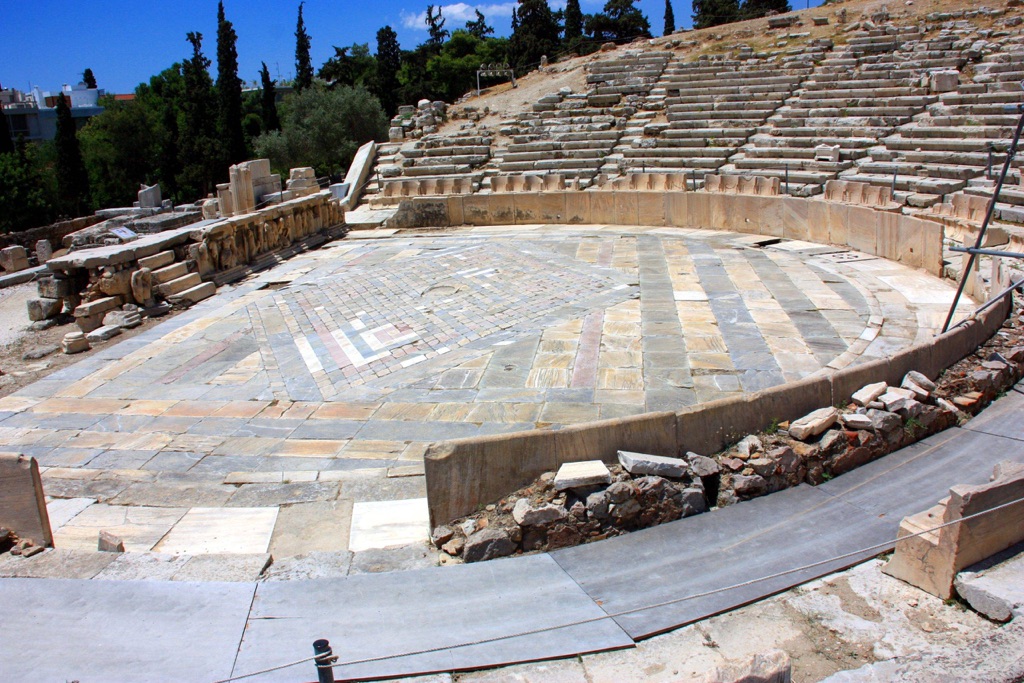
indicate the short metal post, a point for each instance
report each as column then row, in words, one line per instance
column 693, row 174
column 324, row 660
column 895, row 171
column 787, row 178
column 988, row 169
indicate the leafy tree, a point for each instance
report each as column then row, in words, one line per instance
column 452, row 72
column 535, row 34
column 89, row 79
column 435, row 26
column 303, row 62
column 620, row 21
column 753, row 9
column 389, row 61
column 163, row 97
column 350, row 66
column 715, row 12
column 6, row 141
column 323, row 128
column 24, row 201
column 268, row 101
column 72, row 180
column 120, row 150
column 670, row 19
column 229, row 90
column 573, row 33
column 200, row 165
column 479, row 28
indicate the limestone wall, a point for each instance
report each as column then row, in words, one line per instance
column 911, row 241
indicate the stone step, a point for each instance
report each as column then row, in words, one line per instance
column 688, row 152
column 171, row 272
column 918, row 131
column 826, row 138
column 910, row 183
column 677, row 133
column 1013, row 196
column 181, row 284
column 858, row 93
column 704, row 164
column 928, row 171
column 795, row 164
column 745, row 116
column 798, row 153
column 951, row 145
column 158, row 260
column 798, row 176
column 888, row 106
column 954, row 98
column 194, row 294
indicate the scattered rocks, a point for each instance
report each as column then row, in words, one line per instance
column 527, row 514
column 109, row 543
column 640, row 463
column 813, row 423
column 573, row 475
column 487, row 545
column 869, row 393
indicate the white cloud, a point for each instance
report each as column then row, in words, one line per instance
column 457, row 14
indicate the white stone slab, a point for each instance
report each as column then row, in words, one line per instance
column 221, row 530
column 680, row 295
column 388, row 523
column 920, row 289
column 63, row 510
column 587, row 473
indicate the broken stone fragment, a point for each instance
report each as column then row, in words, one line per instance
column 749, row 445
column 702, row 465
column 441, row 535
column 526, row 514
column 123, row 319
column 487, row 544
column 920, row 380
column 109, row 543
column 102, row 334
column 869, row 393
column 581, row 474
column 813, row 423
column 856, row 421
column 659, row 465
column 749, row 486
column 74, row 342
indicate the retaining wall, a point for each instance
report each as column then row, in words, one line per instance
column 463, row 474
column 914, row 242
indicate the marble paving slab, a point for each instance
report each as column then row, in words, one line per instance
column 204, row 531
column 388, row 523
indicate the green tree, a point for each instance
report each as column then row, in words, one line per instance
column 323, row 128
column 120, row 150
column 197, row 143
column 389, row 61
column 715, row 12
column 89, row 79
column 479, row 28
column 350, row 66
column 535, row 34
column 163, row 97
column 72, row 179
column 573, row 33
column 753, row 9
column 24, row 203
column 452, row 72
column 303, row 62
column 620, row 21
column 229, row 90
column 435, row 26
column 268, row 101
column 670, row 19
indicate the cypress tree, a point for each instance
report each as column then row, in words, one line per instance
column 89, row 79
column 229, row 90
column 752, row 9
column 268, row 101
column 573, row 22
column 670, row 19
column 72, row 179
column 303, row 62
column 435, row 26
column 200, row 165
column 389, row 61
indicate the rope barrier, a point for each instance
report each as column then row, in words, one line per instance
column 869, row 550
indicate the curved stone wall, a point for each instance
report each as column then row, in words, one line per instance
column 463, row 474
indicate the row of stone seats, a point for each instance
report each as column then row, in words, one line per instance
column 862, row 194
column 963, row 206
column 501, row 184
column 631, row 73
column 712, row 106
column 648, row 182
column 855, row 95
column 959, row 143
column 736, row 184
column 445, row 154
column 421, row 187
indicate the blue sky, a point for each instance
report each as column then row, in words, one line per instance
column 49, row 43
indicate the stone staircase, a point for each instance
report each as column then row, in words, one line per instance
column 573, row 134
column 855, row 95
column 711, row 106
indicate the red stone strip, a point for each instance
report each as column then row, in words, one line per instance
column 584, row 370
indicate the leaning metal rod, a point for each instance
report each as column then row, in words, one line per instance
column 992, row 302
column 965, row 273
column 987, row 252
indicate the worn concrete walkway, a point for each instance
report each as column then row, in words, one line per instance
column 290, row 415
column 582, row 599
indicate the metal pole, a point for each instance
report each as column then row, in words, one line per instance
column 1010, row 153
column 787, row 178
column 988, row 169
column 324, row 660
column 894, row 172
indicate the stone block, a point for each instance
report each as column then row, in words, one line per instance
column 74, row 342
column 13, row 259
column 44, row 251
column 42, row 308
column 103, row 333
column 142, row 285
column 869, row 393
column 123, row 319
column 150, row 197
column 158, row 260
column 659, row 465
column 108, row 542
column 24, row 505
column 944, row 81
column 527, row 514
column 582, row 474
column 813, row 423
column 99, row 306
column 53, row 287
